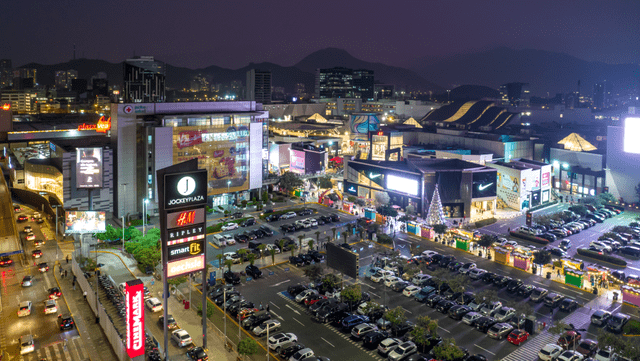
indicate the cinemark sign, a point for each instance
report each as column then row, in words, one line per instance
column 135, row 318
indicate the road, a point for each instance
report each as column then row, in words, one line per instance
column 49, row 340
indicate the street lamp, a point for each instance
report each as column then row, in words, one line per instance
column 57, row 245
column 228, row 184
column 144, row 216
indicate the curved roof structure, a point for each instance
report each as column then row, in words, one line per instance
column 471, row 114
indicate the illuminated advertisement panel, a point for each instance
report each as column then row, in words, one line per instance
column 631, row 131
column 184, row 266
column 296, row 164
column 183, row 250
column 89, row 168
column 85, row 222
column 185, row 218
column 403, row 185
column 545, row 179
column 134, row 293
column 484, row 184
column 222, row 150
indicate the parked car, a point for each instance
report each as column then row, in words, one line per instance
column 538, row 294
column 288, row 350
column 232, row 277
column 587, row 347
column 359, row 331
column 499, row 330
column 387, row 345
column 491, row 308
column 24, row 308
column 403, row 351
column 570, row 339
column 617, row 321
column 459, row 311
column 600, row 317
column 484, row 323
column 550, row 352
column 504, row 314
column 525, row 290
column 66, row 322
column 181, row 338
column 467, row 267
column 476, row 273
column 229, row 226
column 568, row 305
column 570, row 355
column 277, row 340
column 518, row 336
column 153, row 304
column 553, row 299
column 471, row 317
column 513, row 285
column 253, row 271
column 373, row 339
column 171, row 322
column 270, row 325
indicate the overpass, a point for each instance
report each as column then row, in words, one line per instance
column 9, row 236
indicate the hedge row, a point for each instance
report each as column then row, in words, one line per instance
column 603, row 257
column 529, row 237
column 218, row 227
column 263, row 216
column 485, row 222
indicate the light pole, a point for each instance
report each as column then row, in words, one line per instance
column 144, row 216
column 124, row 209
column 228, row 197
column 57, row 245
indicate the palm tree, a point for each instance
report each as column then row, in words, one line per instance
column 273, row 255
column 310, row 244
column 252, row 258
column 281, row 245
column 261, row 247
column 334, row 230
column 300, row 237
column 228, row 263
column 220, row 257
column 242, row 252
column 346, row 236
column 318, row 237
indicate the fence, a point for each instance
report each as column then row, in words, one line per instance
column 115, row 339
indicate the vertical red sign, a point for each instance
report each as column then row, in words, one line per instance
column 135, row 318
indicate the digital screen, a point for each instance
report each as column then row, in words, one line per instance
column 296, row 164
column 134, row 291
column 631, row 131
column 342, row 260
column 545, row 179
column 85, row 222
column 315, row 162
column 185, row 218
column 184, row 266
column 403, row 185
column 88, row 167
column 484, row 184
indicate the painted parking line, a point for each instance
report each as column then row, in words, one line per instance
column 274, row 305
column 447, row 331
column 301, row 324
column 484, row 349
column 327, row 342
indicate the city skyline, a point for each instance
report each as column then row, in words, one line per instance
column 204, row 34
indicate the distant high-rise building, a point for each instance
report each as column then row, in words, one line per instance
column 64, row 78
column 6, row 73
column 79, row 85
column 334, row 83
column 383, row 91
column 259, row 86
column 144, row 80
column 301, row 91
column 24, row 78
column 599, row 92
column 363, row 84
column 99, row 86
column 515, row 94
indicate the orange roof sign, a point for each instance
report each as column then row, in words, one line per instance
column 6, row 106
column 101, row 127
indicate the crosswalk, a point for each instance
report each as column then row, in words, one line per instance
column 528, row 351
column 57, row 351
column 373, row 354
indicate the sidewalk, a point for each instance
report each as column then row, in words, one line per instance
column 94, row 340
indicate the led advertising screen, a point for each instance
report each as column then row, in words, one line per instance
column 403, row 185
column 364, row 123
column 89, row 168
column 296, row 164
column 184, row 266
column 134, row 292
column 223, row 150
column 85, row 222
column 631, row 131
column 484, row 184
column 545, row 179
column 343, row 260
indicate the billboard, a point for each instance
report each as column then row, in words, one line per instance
column 85, row 222
column 185, row 189
column 343, row 260
column 401, row 184
column 222, row 150
column 484, row 184
column 134, row 293
column 545, row 179
column 508, row 182
column 297, row 161
column 89, row 168
column 364, row 123
column 184, row 266
column 631, row 131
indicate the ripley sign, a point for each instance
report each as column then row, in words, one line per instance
column 134, row 291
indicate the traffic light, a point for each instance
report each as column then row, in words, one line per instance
column 529, row 219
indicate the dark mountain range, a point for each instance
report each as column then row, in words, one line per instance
column 545, row 71
column 333, row 57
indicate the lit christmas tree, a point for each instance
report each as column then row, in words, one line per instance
column 435, row 214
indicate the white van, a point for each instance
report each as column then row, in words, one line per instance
column 26, row 344
column 219, row 240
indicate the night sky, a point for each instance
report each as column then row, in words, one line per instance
column 231, row 34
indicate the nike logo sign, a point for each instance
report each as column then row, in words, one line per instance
column 371, row 176
column 483, row 187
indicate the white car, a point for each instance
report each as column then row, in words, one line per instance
column 467, row 267
column 403, row 351
column 280, row 339
column 24, row 309
column 229, row 226
column 50, row 307
column 303, row 354
column 234, row 257
column 387, row 345
column 181, row 337
column 389, row 282
column 504, row 314
column 429, row 253
column 302, row 296
column 27, row 344
column 600, row 246
column 153, row 304
column 570, row 355
column 313, row 222
column 604, row 354
column 420, row 278
column 229, row 239
column 490, row 309
column 269, row 247
column 30, row 237
column 550, row 352
column 381, row 275
column 476, row 273
column 270, row 325
column 288, row 215
column 363, row 307
column 411, row 290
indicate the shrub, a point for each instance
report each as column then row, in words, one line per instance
column 384, row 238
column 603, row 257
column 631, row 328
column 218, row 227
column 530, row 238
column 485, row 222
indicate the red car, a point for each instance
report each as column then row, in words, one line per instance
column 23, row 218
column 36, row 253
column 54, row 293
column 517, row 337
column 570, row 340
column 313, row 299
column 43, row 267
column 5, row 262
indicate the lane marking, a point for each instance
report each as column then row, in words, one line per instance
column 368, row 285
column 407, row 311
column 633, row 268
column 327, row 342
column 484, row 349
column 539, row 283
column 277, row 315
column 274, row 305
column 301, row 324
column 291, row 308
column 375, row 295
column 447, row 331
column 280, row 283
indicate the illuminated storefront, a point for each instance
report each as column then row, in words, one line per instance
column 41, row 176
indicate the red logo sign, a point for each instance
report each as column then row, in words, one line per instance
column 101, row 127
column 6, row 106
column 134, row 291
column 189, row 138
column 545, row 179
column 128, row 109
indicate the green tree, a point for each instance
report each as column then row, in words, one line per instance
column 310, row 244
column 351, row 294
column 420, row 337
column 281, row 245
column 300, row 238
column 147, row 258
column 486, row 241
column 330, row 280
column 242, row 252
column 252, row 258
column 220, row 258
column 579, row 209
column 382, row 198
column 542, row 257
column 325, row 182
column 261, row 248
column 440, row 229
column 110, row 233
column 273, row 255
column 228, row 263
column 247, row 347
column 458, row 283
column 558, row 328
column 430, row 324
column 132, row 233
column 371, row 306
column 410, row 210
column 607, row 198
column 448, row 350
column 396, row 316
column 487, row 296
column 334, row 230
column 290, row 181
column 313, row 272
column 425, row 329
column 387, row 210
column 345, row 235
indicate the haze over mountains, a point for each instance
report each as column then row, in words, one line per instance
column 544, row 71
